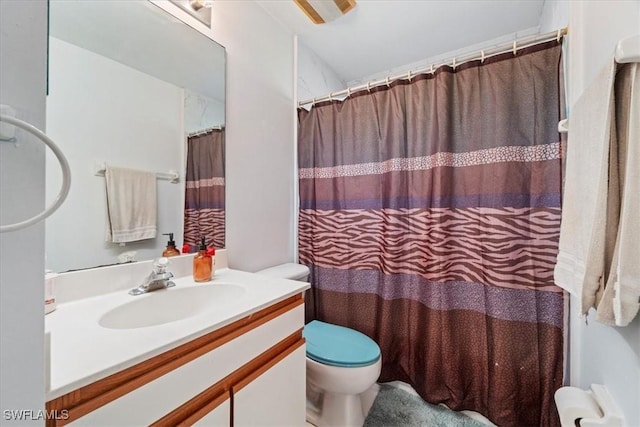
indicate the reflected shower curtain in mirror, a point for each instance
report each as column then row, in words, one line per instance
column 204, row 201
column 429, row 217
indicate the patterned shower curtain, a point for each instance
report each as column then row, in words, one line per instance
column 429, row 217
column 204, row 202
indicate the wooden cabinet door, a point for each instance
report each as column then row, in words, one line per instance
column 275, row 397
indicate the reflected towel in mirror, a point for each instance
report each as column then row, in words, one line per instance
column 131, row 205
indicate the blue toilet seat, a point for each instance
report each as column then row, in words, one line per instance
column 339, row 346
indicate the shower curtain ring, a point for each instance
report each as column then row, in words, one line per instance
column 348, row 92
column 409, row 75
column 482, row 56
column 515, row 48
column 369, row 86
column 388, row 82
column 559, row 36
column 431, row 69
column 454, row 62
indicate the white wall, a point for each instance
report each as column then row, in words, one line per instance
column 260, row 124
column 445, row 57
column 554, row 15
column 99, row 110
column 599, row 354
column 595, row 26
column 201, row 112
column 23, row 43
column 315, row 77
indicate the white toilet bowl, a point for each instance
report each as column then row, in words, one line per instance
column 340, row 380
column 341, row 364
column 333, row 393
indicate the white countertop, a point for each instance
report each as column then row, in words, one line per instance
column 82, row 351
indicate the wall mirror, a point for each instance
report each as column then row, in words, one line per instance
column 128, row 86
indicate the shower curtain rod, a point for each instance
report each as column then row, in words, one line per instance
column 454, row 62
column 207, row 130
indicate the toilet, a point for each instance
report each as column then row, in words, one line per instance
column 341, row 364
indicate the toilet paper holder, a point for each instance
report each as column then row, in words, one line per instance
column 588, row 408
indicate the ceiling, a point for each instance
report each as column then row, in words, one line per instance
column 382, row 34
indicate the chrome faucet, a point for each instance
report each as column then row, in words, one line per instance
column 157, row 279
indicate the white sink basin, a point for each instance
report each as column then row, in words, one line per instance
column 169, row 305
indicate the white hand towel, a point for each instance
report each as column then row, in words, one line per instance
column 582, row 249
column 621, row 298
column 131, row 205
column 599, row 250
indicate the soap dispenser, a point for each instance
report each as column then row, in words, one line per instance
column 202, row 264
column 171, row 249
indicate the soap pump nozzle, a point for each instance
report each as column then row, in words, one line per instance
column 171, row 249
column 171, row 242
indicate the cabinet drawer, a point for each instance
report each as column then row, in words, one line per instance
column 272, row 388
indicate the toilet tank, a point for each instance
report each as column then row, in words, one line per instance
column 289, row 271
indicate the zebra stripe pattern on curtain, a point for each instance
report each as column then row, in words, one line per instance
column 429, row 217
column 204, row 214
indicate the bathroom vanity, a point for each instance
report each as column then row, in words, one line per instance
column 227, row 352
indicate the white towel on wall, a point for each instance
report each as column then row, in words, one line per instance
column 131, row 205
column 581, row 255
column 599, row 250
column 621, row 298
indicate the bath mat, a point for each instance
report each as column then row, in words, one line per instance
column 396, row 407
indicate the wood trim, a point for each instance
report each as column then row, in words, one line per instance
column 309, row 11
column 345, row 5
column 195, row 409
column 210, row 406
column 91, row 397
column 212, row 397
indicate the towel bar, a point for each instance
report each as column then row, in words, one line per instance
column 628, row 50
column 171, row 176
column 64, row 165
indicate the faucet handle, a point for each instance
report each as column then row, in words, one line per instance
column 160, row 265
